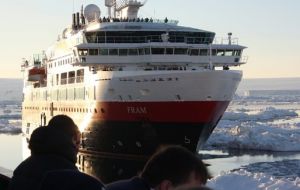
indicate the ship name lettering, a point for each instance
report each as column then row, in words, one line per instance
column 137, row 110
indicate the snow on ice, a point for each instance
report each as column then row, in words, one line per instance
column 258, row 131
column 241, row 179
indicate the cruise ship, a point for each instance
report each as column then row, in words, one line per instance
column 132, row 84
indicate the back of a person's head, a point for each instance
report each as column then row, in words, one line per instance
column 65, row 124
column 193, row 188
column 176, row 164
column 49, row 141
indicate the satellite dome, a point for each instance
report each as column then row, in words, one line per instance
column 92, row 12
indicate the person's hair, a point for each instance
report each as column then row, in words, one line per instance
column 64, row 123
column 193, row 188
column 176, row 164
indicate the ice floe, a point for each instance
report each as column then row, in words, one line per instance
column 244, row 180
column 269, row 113
column 258, row 128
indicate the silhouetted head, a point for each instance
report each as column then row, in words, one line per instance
column 61, row 137
column 174, row 166
column 65, row 124
column 192, row 188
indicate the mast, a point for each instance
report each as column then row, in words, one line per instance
column 124, row 8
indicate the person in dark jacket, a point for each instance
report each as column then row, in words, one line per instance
column 167, row 169
column 69, row 180
column 53, row 147
column 4, row 182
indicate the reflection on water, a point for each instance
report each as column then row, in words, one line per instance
column 10, row 150
column 233, row 159
column 109, row 169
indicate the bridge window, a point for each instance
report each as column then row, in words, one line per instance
column 170, row 51
column 220, row 52
column 141, row 51
column 147, row 51
column 123, row 52
column 237, row 52
column 113, row 51
column 93, row 51
column 203, row 52
column 180, row 51
column 133, row 52
column 229, row 53
column 194, row 52
column 157, row 51
column 103, row 51
column 213, row 52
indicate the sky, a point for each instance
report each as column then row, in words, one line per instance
column 269, row 28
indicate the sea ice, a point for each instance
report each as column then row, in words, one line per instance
column 268, row 128
column 242, row 179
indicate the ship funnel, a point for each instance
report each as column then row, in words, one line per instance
column 74, row 21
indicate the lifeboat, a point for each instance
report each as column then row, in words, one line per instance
column 36, row 74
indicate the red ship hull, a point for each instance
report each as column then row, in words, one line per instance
column 140, row 128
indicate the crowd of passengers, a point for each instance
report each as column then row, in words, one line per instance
column 108, row 19
column 52, row 165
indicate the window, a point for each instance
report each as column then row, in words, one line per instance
column 147, row 51
column 93, row 51
column 213, row 52
column 194, row 52
column 80, row 75
column 123, row 52
column 170, row 51
column 103, row 51
column 229, row 53
column 148, row 36
column 157, row 51
column 63, row 78
column 113, row 51
column 203, row 52
column 82, row 52
column 57, row 79
column 180, row 51
column 220, row 52
column 237, row 52
column 133, row 52
column 71, row 78
column 141, row 51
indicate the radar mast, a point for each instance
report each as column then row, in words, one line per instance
column 124, row 8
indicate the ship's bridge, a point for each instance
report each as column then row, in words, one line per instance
column 144, row 32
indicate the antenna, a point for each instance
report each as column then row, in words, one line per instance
column 229, row 38
column 124, row 8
